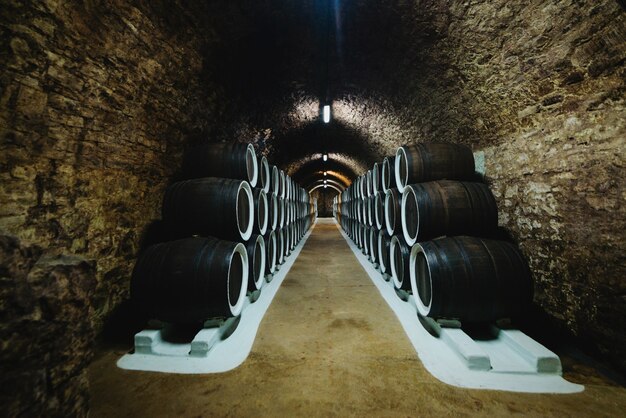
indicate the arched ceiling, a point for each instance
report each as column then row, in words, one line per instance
column 395, row 72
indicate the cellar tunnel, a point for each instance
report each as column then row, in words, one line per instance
column 100, row 98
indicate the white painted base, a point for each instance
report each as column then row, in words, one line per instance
column 213, row 350
column 510, row 361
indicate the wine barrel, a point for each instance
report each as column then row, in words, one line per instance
column 366, row 240
column 387, row 174
column 281, row 213
column 287, row 240
column 287, row 187
column 190, row 280
column 363, row 186
column 270, row 252
column 265, row 175
column 376, row 178
column 433, row 161
column 255, row 249
column 275, row 181
column 273, row 210
column 373, row 244
column 383, row 251
column 393, row 211
column 469, row 278
column 294, row 235
column 365, row 209
column 360, row 235
column 379, row 210
column 224, row 159
column 399, row 253
column 223, row 208
column 369, row 203
column 283, row 185
column 261, row 211
column 280, row 247
column 446, row 207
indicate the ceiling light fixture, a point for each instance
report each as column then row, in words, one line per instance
column 325, row 157
column 326, row 113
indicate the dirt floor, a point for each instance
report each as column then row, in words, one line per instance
column 330, row 346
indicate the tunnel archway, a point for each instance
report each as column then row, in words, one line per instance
column 100, row 98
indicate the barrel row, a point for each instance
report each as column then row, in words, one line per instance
column 232, row 219
column 426, row 223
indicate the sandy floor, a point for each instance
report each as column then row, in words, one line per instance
column 330, row 346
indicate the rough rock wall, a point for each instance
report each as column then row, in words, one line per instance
column 96, row 99
column 545, row 90
column 539, row 88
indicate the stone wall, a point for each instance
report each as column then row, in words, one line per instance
column 97, row 99
column 539, row 89
column 543, row 88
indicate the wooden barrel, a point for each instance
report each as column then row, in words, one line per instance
column 377, row 178
column 369, row 204
column 261, row 210
column 191, row 280
column 399, row 253
column 280, row 247
column 287, row 187
column 384, row 241
column 433, row 161
column 369, row 186
column 273, row 210
column 363, row 186
column 446, row 207
column 270, row 252
column 379, row 210
column 275, row 181
column 293, row 239
column 393, row 212
column 265, row 175
column 361, row 236
column 387, row 174
column 224, row 159
column 283, row 185
column 255, row 248
column 366, row 240
column 365, row 209
column 282, row 221
column 471, row 279
column 223, row 208
column 373, row 244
